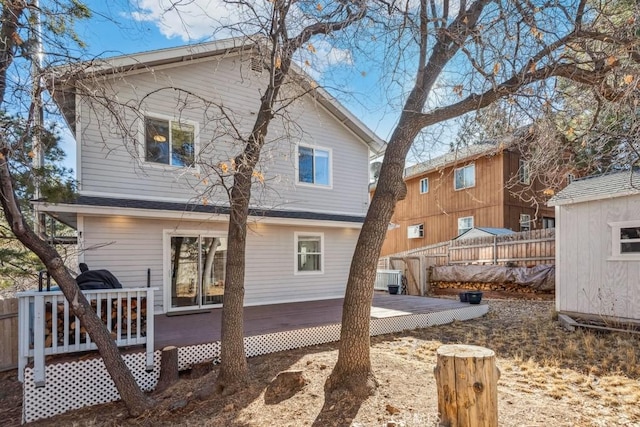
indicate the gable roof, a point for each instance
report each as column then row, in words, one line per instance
column 599, row 187
column 458, row 156
column 64, row 93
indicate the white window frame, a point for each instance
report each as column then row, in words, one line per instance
column 525, row 221
column 524, row 176
column 297, row 168
column 296, row 238
column 546, row 220
column 142, row 151
column 462, row 170
column 465, row 218
column 167, row 234
column 424, row 185
column 415, row 231
column 616, row 241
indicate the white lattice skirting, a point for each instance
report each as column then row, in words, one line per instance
column 77, row 384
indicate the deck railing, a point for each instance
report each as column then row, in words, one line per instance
column 384, row 278
column 48, row 326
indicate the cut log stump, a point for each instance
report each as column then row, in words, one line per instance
column 466, row 377
column 168, row 368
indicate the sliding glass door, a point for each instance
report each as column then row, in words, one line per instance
column 197, row 270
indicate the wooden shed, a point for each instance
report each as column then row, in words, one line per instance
column 598, row 247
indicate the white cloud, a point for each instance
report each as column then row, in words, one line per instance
column 188, row 19
column 193, row 20
column 324, row 57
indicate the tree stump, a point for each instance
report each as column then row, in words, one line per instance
column 168, row 368
column 466, row 377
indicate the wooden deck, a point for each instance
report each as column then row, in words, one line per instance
column 201, row 328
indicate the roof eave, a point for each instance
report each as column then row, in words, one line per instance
column 590, row 198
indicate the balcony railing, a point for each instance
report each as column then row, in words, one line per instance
column 48, row 326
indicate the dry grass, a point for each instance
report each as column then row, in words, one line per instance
column 548, row 377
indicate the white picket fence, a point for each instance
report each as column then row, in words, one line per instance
column 47, row 325
column 384, row 278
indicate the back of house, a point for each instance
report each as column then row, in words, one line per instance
column 157, row 134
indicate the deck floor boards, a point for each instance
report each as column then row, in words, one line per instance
column 200, row 328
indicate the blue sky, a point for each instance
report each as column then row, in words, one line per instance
column 125, row 27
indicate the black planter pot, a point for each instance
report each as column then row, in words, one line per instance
column 463, row 297
column 393, row 289
column 474, row 297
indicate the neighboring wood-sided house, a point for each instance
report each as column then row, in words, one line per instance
column 150, row 127
column 473, row 187
column 598, row 246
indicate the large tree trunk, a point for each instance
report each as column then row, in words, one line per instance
column 136, row 401
column 233, row 365
column 234, row 370
column 353, row 369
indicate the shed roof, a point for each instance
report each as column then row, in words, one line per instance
column 483, row 231
column 598, row 187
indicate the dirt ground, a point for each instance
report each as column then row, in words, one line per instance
column 549, row 377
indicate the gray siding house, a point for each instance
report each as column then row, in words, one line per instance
column 598, row 246
column 155, row 136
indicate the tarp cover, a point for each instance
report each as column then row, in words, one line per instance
column 539, row 277
column 98, row 279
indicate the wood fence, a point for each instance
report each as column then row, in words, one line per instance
column 518, row 249
column 8, row 334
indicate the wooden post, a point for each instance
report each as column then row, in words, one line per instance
column 495, row 250
column 168, row 368
column 466, row 377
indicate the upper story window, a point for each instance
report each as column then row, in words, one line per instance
column 424, row 185
column 465, row 224
column 523, row 173
column 625, row 244
column 465, row 177
column 309, row 253
column 169, row 142
column 415, row 231
column 570, row 178
column 314, row 166
column 525, row 222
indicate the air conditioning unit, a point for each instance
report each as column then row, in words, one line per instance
column 415, row 231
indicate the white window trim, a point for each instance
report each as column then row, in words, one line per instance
column 466, row 229
column 421, row 181
column 616, row 255
column 167, row 234
column 142, row 143
column 526, row 222
column 419, row 227
column 461, row 168
column 523, row 171
column 296, row 235
column 297, row 167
